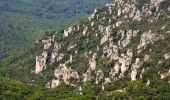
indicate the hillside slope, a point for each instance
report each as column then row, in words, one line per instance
column 26, row 20
column 120, row 52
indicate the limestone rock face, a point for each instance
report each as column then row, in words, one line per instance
column 105, row 33
column 48, row 42
column 71, row 58
column 85, row 30
column 111, row 51
column 80, row 91
column 107, row 80
column 122, row 65
column 142, row 72
column 137, row 16
column 135, row 66
column 118, row 23
column 66, row 73
column 126, row 37
column 129, row 53
column 71, row 46
column 92, row 62
column 169, row 8
column 60, row 57
column 55, row 54
column 119, row 2
column 87, row 76
column 167, row 56
column 63, row 74
column 156, row 2
column 146, row 38
column 41, row 62
column 93, row 15
column 146, row 57
column 148, row 83
column 118, row 12
column 110, row 7
column 115, row 53
column 54, row 83
column 124, row 61
column 166, row 74
column 67, row 31
column 99, row 76
column 113, row 34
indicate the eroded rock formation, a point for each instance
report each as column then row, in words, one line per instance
column 63, row 74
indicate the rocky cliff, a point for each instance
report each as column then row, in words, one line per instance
column 109, row 29
column 126, row 40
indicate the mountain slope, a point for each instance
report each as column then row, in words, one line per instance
column 26, row 20
column 120, row 52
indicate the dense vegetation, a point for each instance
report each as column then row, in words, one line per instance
column 10, row 89
column 21, row 67
column 26, row 20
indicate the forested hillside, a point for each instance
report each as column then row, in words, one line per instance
column 120, row 52
column 23, row 21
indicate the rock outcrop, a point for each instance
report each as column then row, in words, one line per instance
column 42, row 59
column 99, row 76
column 105, row 33
column 48, row 42
column 134, row 69
column 116, row 42
column 55, row 54
column 67, row 31
column 92, row 62
column 63, row 74
column 166, row 56
column 41, row 62
column 87, row 76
